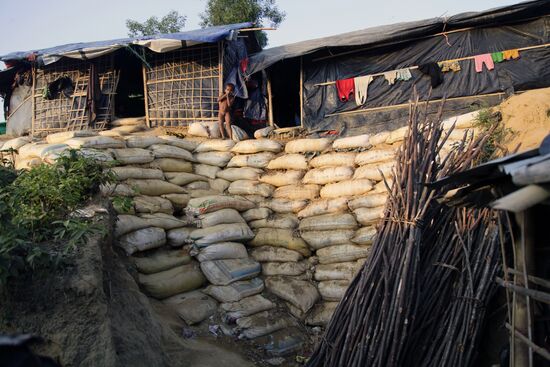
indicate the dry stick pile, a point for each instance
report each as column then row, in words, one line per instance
column 419, row 299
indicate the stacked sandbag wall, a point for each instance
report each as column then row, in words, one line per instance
column 212, row 224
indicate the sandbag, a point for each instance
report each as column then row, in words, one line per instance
column 368, row 201
column 248, row 187
column 264, row 132
column 142, row 141
column 289, row 161
column 128, row 121
column 260, row 324
column 220, row 251
column 161, row 260
column 256, row 214
column 397, row 135
column 124, row 173
column 193, row 307
column 307, row 145
column 100, row 156
column 223, row 216
column 243, row 173
column 206, row 170
column 464, row 121
column 202, row 193
column 115, row 189
column 178, row 237
column 222, row 233
column 128, row 223
column 215, row 145
column 206, row 129
column 179, row 201
column 27, row 163
column 152, row 204
column 300, row 293
column 352, row 142
column 278, row 178
column 218, row 159
column 339, row 159
column 246, row 307
column 170, row 151
column 236, row 291
column 225, row 272
column 257, row 160
column 183, row 178
column 288, row 221
column 328, row 222
column 293, row 192
column 57, row 138
column 381, row 187
column 39, row 150
column 375, row 156
column 275, row 254
column 322, row 176
column 333, row 290
column 133, row 156
column 348, row 188
column 364, row 236
column 97, row 142
column 342, row 253
column 163, row 220
column 197, row 185
column 379, row 138
column 324, row 206
column 142, row 239
column 256, row 146
column 179, row 142
column 284, row 205
column 279, row 238
column 210, row 204
column 123, row 130
column 172, row 165
column 219, row 184
column 167, row 283
column 337, row 271
column 321, row 314
column 16, row 143
column 368, row 216
column 238, row 134
column 374, row 172
column 153, row 187
column 320, row 239
column 284, row 268
column 256, row 199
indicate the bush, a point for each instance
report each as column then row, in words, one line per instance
column 35, row 207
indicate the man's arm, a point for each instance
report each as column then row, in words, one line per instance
column 222, row 97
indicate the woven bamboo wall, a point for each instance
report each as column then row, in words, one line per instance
column 182, row 86
column 69, row 113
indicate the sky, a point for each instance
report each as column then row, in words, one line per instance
column 36, row 24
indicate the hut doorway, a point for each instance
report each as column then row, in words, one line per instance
column 285, row 93
column 129, row 100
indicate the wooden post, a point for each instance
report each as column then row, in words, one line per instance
column 269, row 101
column 301, row 91
column 33, row 106
column 220, row 66
column 145, row 96
column 521, row 355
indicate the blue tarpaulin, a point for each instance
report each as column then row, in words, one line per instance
column 157, row 43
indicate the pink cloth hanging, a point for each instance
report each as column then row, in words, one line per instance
column 484, row 59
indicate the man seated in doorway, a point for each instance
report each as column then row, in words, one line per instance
column 224, row 117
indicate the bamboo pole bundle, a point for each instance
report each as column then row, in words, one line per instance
column 416, row 300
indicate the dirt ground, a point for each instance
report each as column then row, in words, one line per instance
column 92, row 313
column 528, row 115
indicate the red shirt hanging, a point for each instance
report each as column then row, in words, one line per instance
column 346, row 89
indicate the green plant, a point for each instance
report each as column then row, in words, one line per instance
column 489, row 122
column 123, row 204
column 34, row 210
column 170, row 23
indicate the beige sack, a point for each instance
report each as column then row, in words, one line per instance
column 172, row 165
column 179, row 201
column 179, row 142
column 307, row 145
column 321, row 314
column 247, row 187
column 142, row 141
column 206, row 170
column 337, row 271
column 300, row 293
column 238, row 232
column 284, row 205
column 215, row 145
column 324, row 206
column 256, row 214
column 256, row 146
column 161, row 260
column 210, row 204
column 348, row 188
column 285, row 221
column 369, row 216
column 374, row 172
column 124, row 173
column 375, row 156
column 338, row 159
column 289, row 161
column 320, row 239
column 364, row 236
column 368, row 201
column 379, row 138
column 163, row 220
column 284, row 268
column 97, row 142
column 133, row 155
column 292, row 192
column 153, row 204
column 170, row 151
column 142, row 239
column 57, row 138
column 128, row 223
column 333, row 290
column 154, row 187
column 279, row 238
column 275, row 254
column 278, row 178
column 219, row 184
column 167, row 283
column 179, row 236
column 257, row 160
column 328, row 222
column 205, row 129
column 352, row 142
column 342, row 253
column 223, row 216
column 219, row 159
column 183, row 178
column 397, row 135
column 322, row 176
column 242, row 173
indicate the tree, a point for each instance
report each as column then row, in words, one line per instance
column 170, row 23
column 219, row 12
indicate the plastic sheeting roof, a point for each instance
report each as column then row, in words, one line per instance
column 157, row 43
column 401, row 32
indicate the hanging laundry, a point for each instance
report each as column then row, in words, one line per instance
column 510, row 54
column 390, row 76
column 345, row 88
column 497, row 57
column 434, row 71
column 449, row 66
column 483, row 59
column 404, row 74
column 362, row 88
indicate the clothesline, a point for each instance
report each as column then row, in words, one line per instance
column 445, row 61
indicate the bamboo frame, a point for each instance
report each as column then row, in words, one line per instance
column 301, row 91
column 269, row 102
column 145, row 95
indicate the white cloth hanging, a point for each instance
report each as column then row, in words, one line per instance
column 361, row 88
